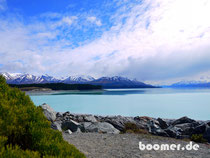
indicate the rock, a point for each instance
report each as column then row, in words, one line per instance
column 56, row 126
column 66, row 114
column 163, row 124
column 48, row 112
column 89, row 118
column 59, row 114
column 142, row 122
column 200, row 129
column 206, row 134
column 208, row 123
column 183, row 120
column 118, row 121
column 152, row 126
column 174, row 132
column 155, row 129
column 77, row 118
column 143, row 119
column 68, row 131
column 187, row 128
column 70, row 124
column 78, row 130
column 160, row 132
column 100, row 127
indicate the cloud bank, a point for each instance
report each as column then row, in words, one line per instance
column 150, row 40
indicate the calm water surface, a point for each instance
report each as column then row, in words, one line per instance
column 160, row 102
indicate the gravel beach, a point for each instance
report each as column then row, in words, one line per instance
column 96, row 145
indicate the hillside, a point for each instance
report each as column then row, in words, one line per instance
column 56, row 86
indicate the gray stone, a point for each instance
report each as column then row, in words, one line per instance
column 78, row 130
column 118, row 121
column 78, row 118
column 66, row 113
column 174, row 132
column 155, row 129
column 199, row 129
column 68, row 131
column 56, row 126
column 208, row 123
column 48, row 112
column 84, row 126
column 183, row 120
column 89, row 118
column 163, row 124
column 70, row 124
column 206, row 135
column 144, row 122
column 100, row 127
column 152, row 126
column 160, row 132
column 187, row 128
column 59, row 114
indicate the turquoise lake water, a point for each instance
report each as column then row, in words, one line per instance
column 158, row 102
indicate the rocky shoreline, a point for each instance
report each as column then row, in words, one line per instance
column 84, row 123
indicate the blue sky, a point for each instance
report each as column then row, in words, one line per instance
column 152, row 40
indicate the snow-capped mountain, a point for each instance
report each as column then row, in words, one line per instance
column 106, row 82
column 190, row 84
column 78, row 79
column 18, row 78
column 119, row 82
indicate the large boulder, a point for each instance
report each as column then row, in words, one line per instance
column 48, row 112
column 206, row 134
column 100, row 127
column 56, row 125
column 71, row 125
column 183, row 120
column 187, row 128
column 155, row 129
column 118, row 121
column 89, row 118
column 174, row 132
column 163, row 123
column 200, row 129
column 144, row 122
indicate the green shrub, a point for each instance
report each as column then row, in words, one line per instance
column 24, row 130
column 132, row 128
column 198, row 138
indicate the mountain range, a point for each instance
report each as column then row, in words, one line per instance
column 190, row 84
column 105, row 82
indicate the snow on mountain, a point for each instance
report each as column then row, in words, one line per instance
column 10, row 76
column 48, row 79
column 185, row 84
column 18, row 78
column 106, row 82
column 78, row 79
column 119, row 82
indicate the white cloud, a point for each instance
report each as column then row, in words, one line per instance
column 68, row 20
column 154, row 41
column 94, row 20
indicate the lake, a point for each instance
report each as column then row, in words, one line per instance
column 155, row 102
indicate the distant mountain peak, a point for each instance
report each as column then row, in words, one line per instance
column 190, row 84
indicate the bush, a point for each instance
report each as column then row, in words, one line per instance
column 198, row 138
column 25, row 131
column 132, row 128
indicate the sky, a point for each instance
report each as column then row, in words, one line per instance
column 156, row 41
